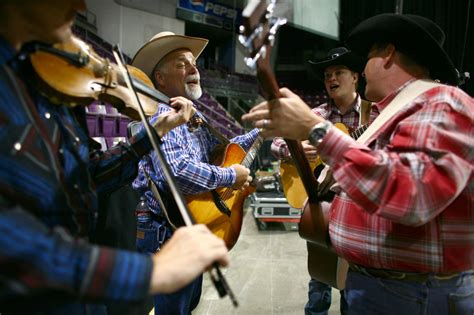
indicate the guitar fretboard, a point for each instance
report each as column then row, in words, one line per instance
column 252, row 153
column 359, row 131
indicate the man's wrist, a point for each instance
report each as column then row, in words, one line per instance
column 318, row 132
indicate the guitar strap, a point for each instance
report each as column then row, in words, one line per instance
column 156, row 193
column 412, row 91
column 409, row 93
column 222, row 139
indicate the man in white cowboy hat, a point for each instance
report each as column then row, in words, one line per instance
column 404, row 216
column 170, row 61
column 340, row 73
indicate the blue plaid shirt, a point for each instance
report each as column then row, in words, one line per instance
column 187, row 153
column 48, row 204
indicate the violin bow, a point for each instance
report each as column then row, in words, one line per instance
column 218, row 279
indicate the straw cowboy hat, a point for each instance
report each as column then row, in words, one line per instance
column 338, row 56
column 414, row 35
column 162, row 44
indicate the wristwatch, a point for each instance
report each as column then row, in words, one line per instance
column 317, row 133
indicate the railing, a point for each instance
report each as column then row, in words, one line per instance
column 218, row 117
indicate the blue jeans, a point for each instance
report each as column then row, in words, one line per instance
column 319, row 299
column 369, row 295
column 182, row 302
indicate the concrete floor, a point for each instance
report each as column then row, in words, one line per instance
column 268, row 274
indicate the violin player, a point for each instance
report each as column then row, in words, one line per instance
column 49, row 180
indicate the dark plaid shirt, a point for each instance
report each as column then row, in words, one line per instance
column 49, row 179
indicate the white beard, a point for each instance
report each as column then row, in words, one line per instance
column 193, row 92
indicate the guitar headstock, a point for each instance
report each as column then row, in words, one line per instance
column 257, row 35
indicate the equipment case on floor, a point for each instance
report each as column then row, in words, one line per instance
column 272, row 207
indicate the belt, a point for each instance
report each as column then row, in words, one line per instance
column 402, row 276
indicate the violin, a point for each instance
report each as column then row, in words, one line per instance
column 72, row 74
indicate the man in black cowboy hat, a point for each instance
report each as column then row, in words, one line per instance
column 340, row 73
column 403, row 217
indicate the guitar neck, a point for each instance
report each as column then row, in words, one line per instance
column 359, row 131
column 258, row 34
column 270, row 86
column 252, row 152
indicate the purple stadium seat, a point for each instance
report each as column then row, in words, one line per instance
column 123, row 123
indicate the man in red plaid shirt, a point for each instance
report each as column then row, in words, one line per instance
column 404, row 213
column 339, row 72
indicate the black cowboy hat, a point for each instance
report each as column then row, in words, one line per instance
column 338, row 56
column 414, row 35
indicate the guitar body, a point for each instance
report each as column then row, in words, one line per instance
column 323, row 264
column 293, row 187
column 314, row 228
column 205, row 211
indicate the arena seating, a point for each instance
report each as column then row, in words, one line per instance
column 104, row 122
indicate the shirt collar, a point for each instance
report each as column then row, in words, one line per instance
column 355, row 106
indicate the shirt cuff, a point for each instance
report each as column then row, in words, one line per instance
column 333, row 146
column 227, row 177
column 140, row 144
column 117, row 275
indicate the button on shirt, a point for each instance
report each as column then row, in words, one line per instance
column 407, row 198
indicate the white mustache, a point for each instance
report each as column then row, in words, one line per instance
column 193, row 77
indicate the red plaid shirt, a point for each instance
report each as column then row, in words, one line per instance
column 407, row 198
column 328, row 111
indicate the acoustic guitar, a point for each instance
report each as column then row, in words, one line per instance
column 307, row 225
column 222, row 209
column 257, row 35
column 291, row 182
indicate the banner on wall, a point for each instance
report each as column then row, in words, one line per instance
column 210, row 13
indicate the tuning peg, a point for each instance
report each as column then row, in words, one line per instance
column 252, row 62
column 247, row 41
column 270, row 10
column 276, row 23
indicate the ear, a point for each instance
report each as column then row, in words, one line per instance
column 355, row 76
column 159, row 77
column 388, row 54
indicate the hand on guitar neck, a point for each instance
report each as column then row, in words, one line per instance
column 310, row 151
column 285, row 115
column 243, row 178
